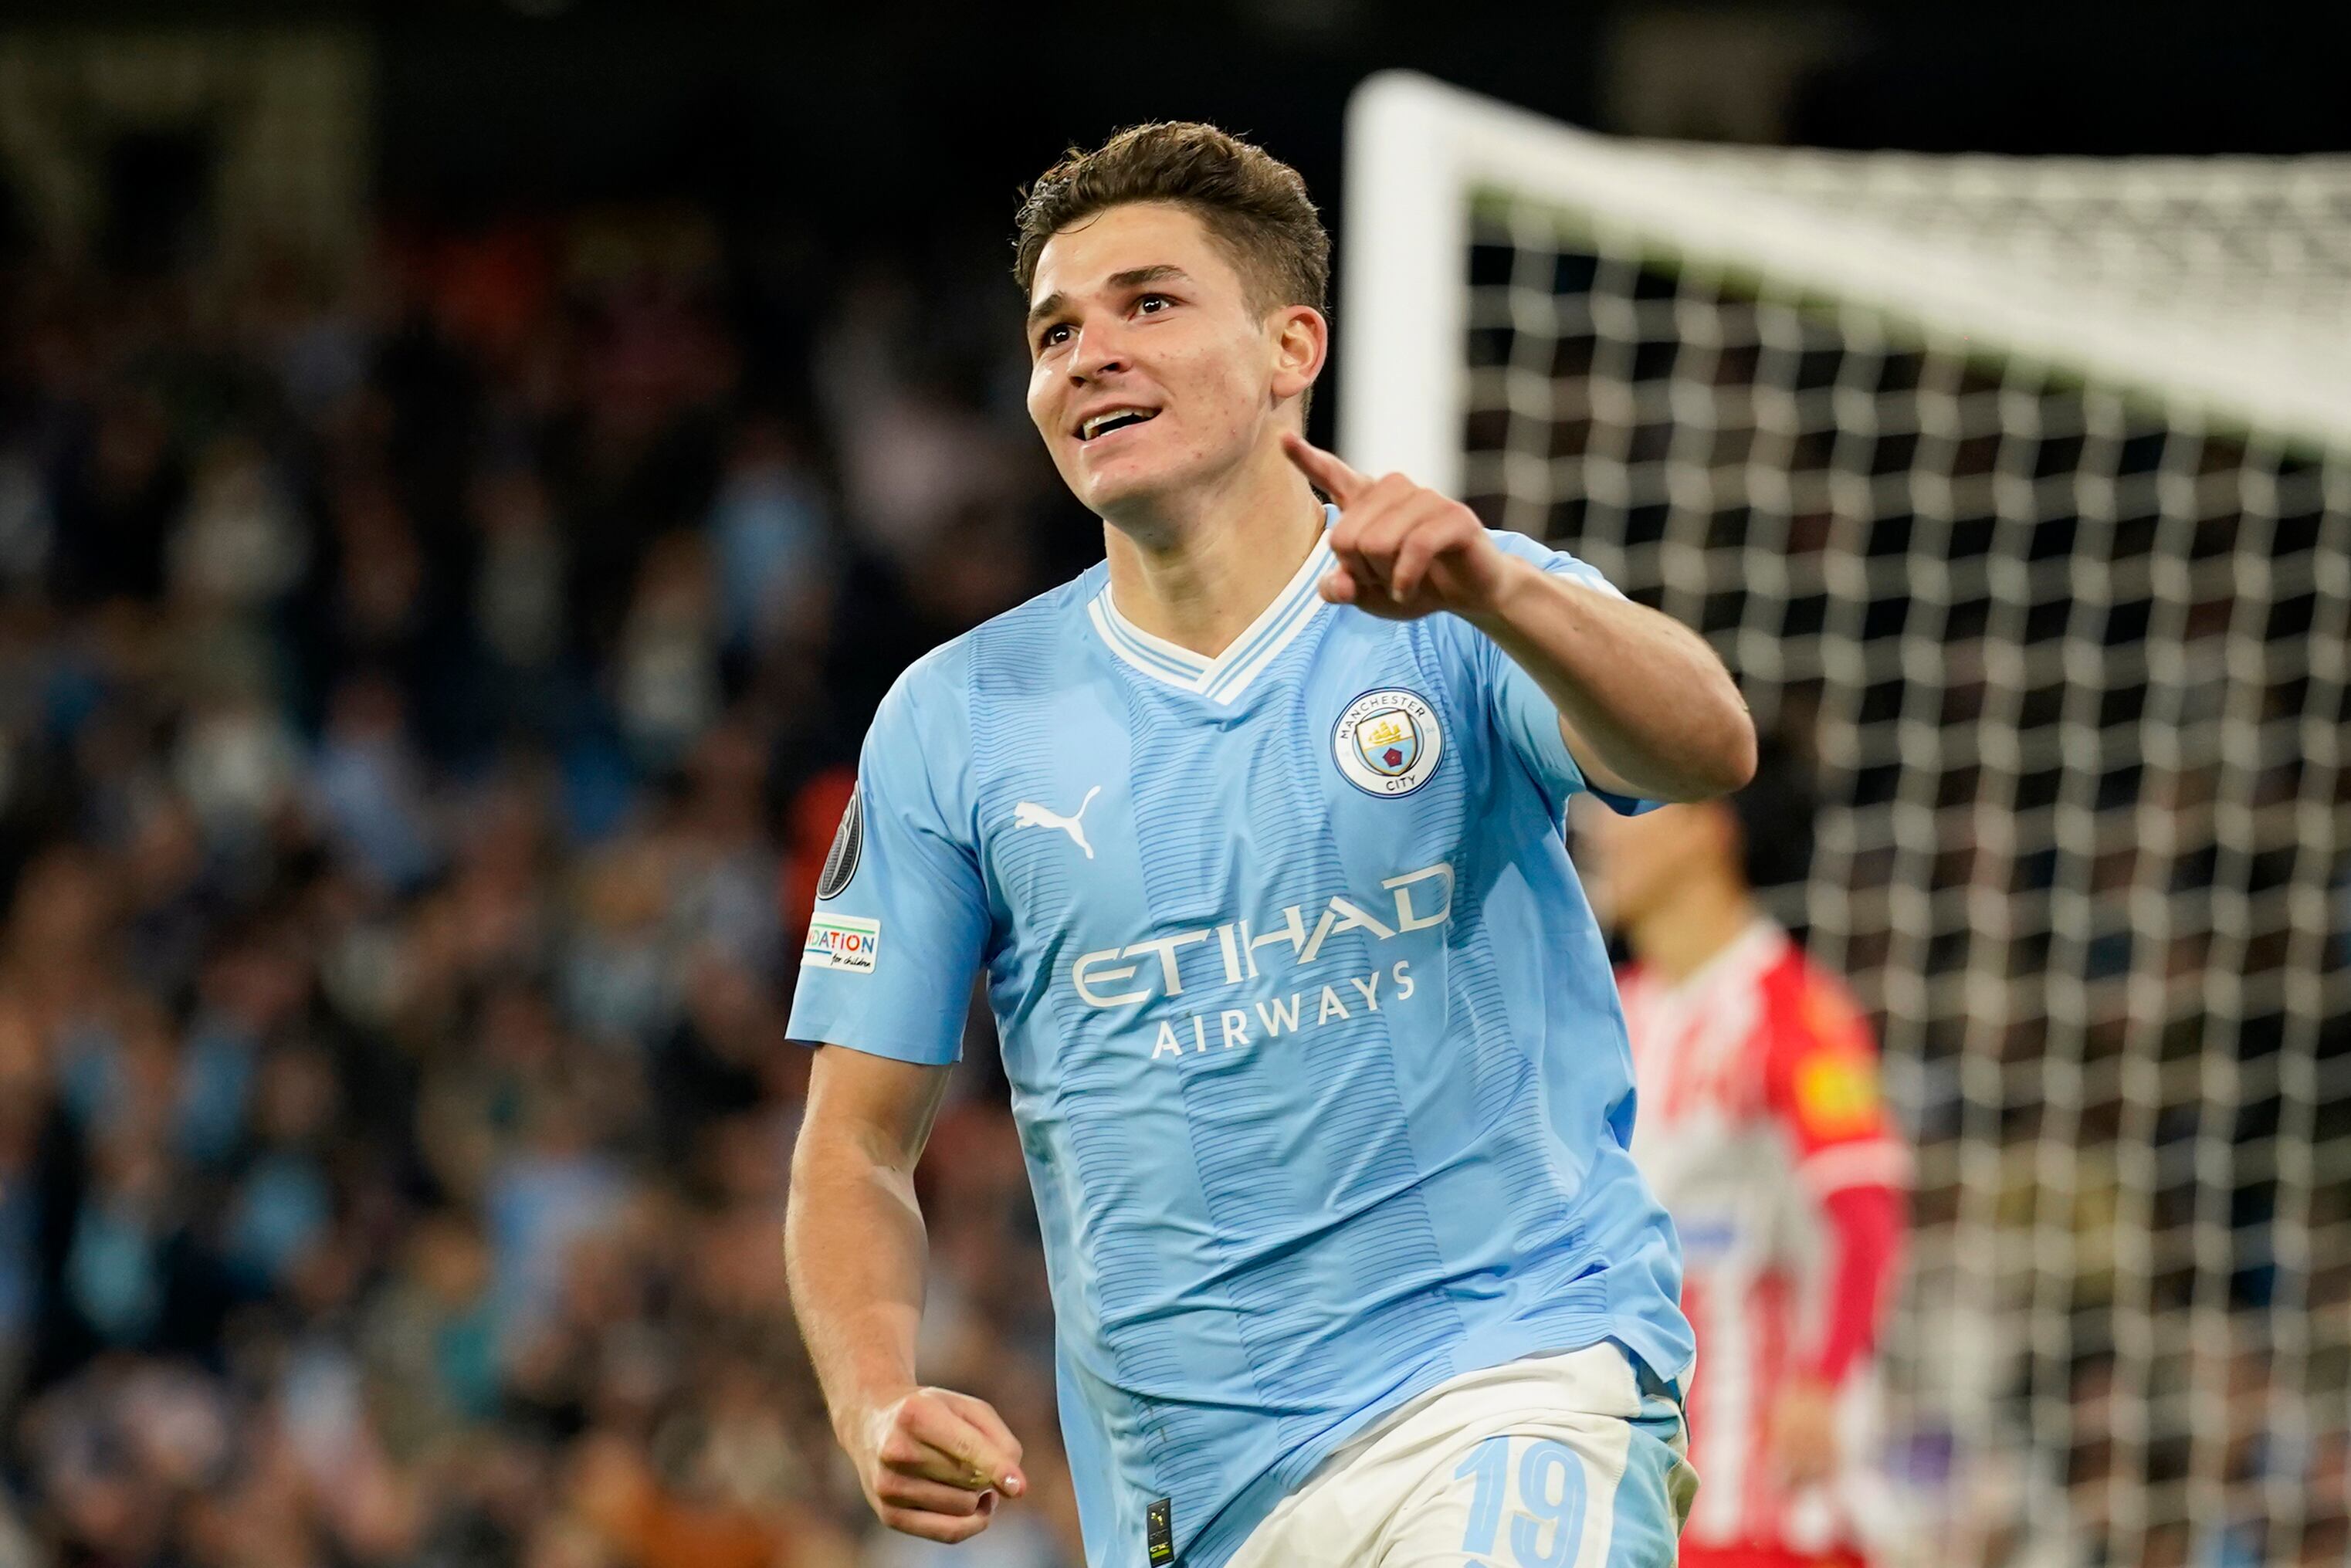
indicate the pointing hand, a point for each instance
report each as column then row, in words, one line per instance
column 1405, row 551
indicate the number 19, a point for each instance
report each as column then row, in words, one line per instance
column 1550, row 1500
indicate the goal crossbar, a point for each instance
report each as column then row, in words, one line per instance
column 2272, row 351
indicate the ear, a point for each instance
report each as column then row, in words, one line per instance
column 1301, row 342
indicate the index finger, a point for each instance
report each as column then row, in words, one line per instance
column 982, row 1415
column 980, row 1464
column 1330, row 475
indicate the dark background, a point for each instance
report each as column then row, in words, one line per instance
column 851, row 110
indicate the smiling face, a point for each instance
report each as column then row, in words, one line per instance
column 1151, row 371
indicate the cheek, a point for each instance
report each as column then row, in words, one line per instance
column 1040, row 400
column 1224, row 393
column 1045, row 411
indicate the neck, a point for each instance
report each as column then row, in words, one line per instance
column 1678, row 939
column 1198, row 568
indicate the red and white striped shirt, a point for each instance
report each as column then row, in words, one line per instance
column 1761, row 1130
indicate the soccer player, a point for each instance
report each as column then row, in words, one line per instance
column 1255, row 831
column 1763, row 1132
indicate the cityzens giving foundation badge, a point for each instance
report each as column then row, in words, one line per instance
column 1388, row 742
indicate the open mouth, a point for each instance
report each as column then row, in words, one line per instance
column 1101, row 424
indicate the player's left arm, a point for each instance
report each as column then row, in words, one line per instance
column 1645, row 706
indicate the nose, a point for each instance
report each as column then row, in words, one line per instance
column 1101, row 352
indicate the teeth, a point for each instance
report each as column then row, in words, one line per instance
column 1094, row 425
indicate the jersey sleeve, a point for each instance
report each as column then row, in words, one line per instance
column 901, row 917
column 1820, row 1084
column 1523, row 711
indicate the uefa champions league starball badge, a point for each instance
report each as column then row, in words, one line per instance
column 1388, row 742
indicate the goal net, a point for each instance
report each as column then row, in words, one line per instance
column 2020, row 490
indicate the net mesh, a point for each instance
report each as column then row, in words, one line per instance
column 2072, row 661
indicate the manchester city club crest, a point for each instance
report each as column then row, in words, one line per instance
column 1388, row 742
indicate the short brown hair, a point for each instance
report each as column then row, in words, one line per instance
column 1253, row 206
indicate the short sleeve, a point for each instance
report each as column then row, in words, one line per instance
column 900, row 916
column 1820, row 1083
column 1523, row 711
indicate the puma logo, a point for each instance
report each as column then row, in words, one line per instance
column 1028, row 814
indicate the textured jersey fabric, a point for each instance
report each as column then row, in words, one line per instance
column 1314, row 1044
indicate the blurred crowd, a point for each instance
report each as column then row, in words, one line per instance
column 427, row 691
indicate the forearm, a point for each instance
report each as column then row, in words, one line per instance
column 1864, row 1224
column 854, row 1250
column 1647, row 706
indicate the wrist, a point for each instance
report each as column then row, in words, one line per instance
column 857, row 1421
column 1507, row 599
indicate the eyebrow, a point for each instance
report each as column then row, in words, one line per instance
column 1132, row 278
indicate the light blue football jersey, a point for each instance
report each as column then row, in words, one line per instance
column 1313, row 1045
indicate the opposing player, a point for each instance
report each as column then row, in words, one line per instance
column 1255, row 830
column 1763, row 1132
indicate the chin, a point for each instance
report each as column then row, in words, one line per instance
column 1127, row 487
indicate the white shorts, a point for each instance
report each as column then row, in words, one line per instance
column 1556, row 1461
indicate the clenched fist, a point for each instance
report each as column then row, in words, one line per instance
column 933, row 1463
column 1405, row 551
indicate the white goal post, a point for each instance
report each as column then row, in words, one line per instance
column 2017, row 492
column 2253, row 326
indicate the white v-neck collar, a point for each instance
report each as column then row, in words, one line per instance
column 1224, row 678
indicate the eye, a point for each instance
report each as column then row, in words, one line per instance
column 1054, row 335
column 1145, row 303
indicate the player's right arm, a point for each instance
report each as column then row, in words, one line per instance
column 900, row 923
column 1820, row 1085
column 929, row 1460
column 1641, row 702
